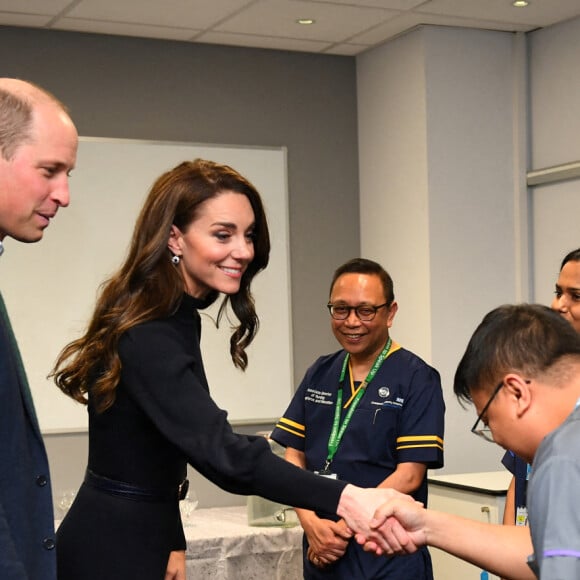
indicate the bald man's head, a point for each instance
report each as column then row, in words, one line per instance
column 18, row 100
column 38, row 147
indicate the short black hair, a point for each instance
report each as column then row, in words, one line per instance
column 365, row 266
column 525, row 338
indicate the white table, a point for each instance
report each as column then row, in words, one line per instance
column 221, row 545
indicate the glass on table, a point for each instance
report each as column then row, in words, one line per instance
column 187, row 507
column 65, row 500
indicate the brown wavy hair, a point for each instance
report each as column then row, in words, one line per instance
column 148, row 286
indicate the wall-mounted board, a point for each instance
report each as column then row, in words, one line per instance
column 50, row 287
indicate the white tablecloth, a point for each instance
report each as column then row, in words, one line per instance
column 221, row 545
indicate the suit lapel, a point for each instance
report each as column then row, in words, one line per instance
column 8, row 342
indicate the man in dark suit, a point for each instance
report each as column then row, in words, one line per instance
column 38, row 146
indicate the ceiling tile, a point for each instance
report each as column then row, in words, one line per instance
column 408, row 21
column 121, row 29
column 51, row 7
column 342, row 26
column 34, row 21
column 389, row 4
column 173, row 13
column 388, row 29
column 346, row 49
column 537, row 13
column 262, row 41
column 334, row 23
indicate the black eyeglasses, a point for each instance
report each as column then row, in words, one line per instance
column 364, row 312
column 485, row 431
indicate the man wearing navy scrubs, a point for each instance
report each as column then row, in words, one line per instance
column 371, row 414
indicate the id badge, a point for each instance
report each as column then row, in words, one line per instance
column 326, row 473
column 522, row 516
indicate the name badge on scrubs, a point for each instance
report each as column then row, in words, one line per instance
column 522, row 516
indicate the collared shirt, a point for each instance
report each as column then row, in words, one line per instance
column 552, row 490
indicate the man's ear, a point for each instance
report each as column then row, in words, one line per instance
column 392, row 311
column 174, row 241
column 519, row 388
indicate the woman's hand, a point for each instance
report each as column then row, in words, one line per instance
column 176, row 566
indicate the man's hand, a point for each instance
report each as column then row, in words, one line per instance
column 357, row 506
column 327, row 540
column 398, row 527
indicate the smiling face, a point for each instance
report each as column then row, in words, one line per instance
column 363, row 340
column 34, row 181
column 217, row 246
column 567, row 296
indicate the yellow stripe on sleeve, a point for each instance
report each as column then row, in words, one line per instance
column 419, row 442
column 291, row 427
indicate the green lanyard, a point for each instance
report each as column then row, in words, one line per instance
column 338, row 429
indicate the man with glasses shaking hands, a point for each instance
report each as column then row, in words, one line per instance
column 521, row 370
column 371, row 413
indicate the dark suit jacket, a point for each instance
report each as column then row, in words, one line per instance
column 27, row 544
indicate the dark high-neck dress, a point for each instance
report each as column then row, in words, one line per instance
column 163, row 418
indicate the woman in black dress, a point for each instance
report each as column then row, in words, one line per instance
column 202, row 232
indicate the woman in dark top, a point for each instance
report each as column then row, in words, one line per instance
column 202, row 232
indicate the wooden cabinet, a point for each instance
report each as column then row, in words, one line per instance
column 478, row 496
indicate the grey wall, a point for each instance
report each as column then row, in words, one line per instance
column 450, row 120
column 554, row 94
column 554, row 107
column 440, row 195
column 150, row 89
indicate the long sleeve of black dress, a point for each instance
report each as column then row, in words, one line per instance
column 164, row 416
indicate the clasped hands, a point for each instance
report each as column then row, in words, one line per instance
column 327, row 540
column 384, row 520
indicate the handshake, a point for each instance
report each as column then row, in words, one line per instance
column 384, row 520
column 387, row 522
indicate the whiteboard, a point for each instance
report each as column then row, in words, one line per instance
column 555, row 232
column 50, row 287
